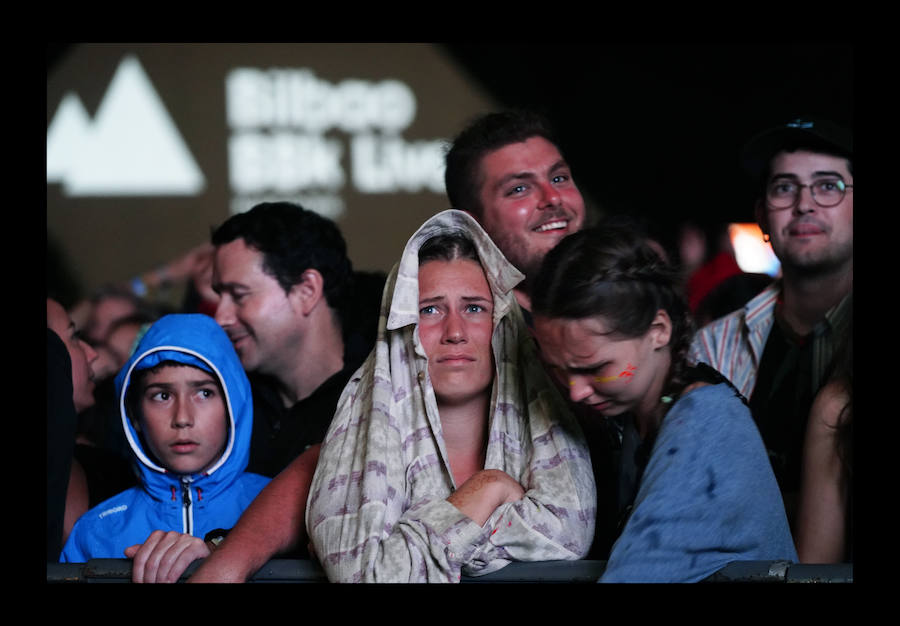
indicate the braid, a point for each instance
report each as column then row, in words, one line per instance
column 611, row 271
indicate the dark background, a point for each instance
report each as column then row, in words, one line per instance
column 654, row 130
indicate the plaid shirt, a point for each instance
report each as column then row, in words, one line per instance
column 734, row 344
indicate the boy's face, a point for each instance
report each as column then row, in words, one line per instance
column 182, row 417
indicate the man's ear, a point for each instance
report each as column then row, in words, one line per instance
column 660, row 329
column 309, row 291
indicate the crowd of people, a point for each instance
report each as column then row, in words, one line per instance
column 525, row 384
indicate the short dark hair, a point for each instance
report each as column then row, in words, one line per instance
column 448, row 248
column 292, row 240
column 808, row 133
column 485, row 134
column 762, row 182
column 611, row 271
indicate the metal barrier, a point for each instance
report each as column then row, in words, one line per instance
column 297, row 571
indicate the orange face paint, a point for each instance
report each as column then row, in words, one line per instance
column 625, row 375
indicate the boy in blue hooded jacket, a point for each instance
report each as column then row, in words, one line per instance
column 187, row 412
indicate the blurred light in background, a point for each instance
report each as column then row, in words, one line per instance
column 149, row 146
column 753, row 253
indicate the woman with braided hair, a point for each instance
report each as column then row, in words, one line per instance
column 614, row 327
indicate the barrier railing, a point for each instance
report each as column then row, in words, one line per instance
column 298, row 571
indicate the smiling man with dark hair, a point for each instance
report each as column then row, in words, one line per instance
column 508, row 171
column 283, row 277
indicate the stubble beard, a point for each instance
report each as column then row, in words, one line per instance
column 810, row 264
column 516, row 252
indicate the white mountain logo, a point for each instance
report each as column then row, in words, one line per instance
column 131, row 147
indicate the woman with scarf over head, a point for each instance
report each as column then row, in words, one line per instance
column 451, row 452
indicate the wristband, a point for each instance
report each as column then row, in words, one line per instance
column 138, row 287
column 215, row 537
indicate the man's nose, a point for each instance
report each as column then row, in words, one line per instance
column 806, row 203
column 225, row 311
column 549, row 195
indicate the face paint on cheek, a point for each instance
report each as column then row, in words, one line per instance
column 625, row 375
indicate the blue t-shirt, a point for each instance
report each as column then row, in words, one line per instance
column 707, row 497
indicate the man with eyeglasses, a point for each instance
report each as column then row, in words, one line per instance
column 777, row 349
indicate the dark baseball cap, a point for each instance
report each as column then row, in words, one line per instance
column 803, row 132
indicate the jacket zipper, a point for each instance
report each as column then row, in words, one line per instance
column 187, row 513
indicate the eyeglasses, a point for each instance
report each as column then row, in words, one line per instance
column 785, row 194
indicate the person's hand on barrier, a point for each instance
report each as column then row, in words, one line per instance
column 164, row 556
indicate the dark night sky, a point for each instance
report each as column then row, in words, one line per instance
column 655, row 130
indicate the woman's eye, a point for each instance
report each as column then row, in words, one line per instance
column 428, row 310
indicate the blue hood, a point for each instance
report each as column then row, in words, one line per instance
column 192, row 339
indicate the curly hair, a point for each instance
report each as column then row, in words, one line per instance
column 610, row 271
column 292, row 240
